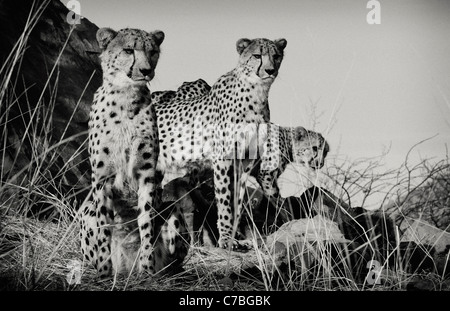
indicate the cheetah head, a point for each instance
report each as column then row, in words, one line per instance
column 129, row 55
column 261, row 57
column 309, row 148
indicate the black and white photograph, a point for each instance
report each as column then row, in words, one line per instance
column 225, row 151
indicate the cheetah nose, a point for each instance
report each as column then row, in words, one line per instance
column 319, row 164
column 270, row 71
column 145, row 72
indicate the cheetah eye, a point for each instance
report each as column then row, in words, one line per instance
column 314, row 148
column 257, row 56
column 128, row 51
column 276, row 57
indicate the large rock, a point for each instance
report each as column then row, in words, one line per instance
column 305, row 241
column 422, row 232
column 304, row 230
column 49, row 94
column 298, row 178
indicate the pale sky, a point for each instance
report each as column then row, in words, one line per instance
column 365, row 87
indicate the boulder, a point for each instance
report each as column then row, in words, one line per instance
column 422, row 232
column 304, row 230
column 304, row 240
column 431, row 242
column 47, row 102
column 298, row 178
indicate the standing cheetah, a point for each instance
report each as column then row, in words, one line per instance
column 289, row 144
column 279, row 145
column 123, row 145
column 210, row 126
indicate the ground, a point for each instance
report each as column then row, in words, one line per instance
column 44, row 255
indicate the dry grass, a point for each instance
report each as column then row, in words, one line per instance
column 38, row 254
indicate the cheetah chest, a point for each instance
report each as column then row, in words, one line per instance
column 117, row 128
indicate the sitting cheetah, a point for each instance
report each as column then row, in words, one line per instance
column 210, row 126
column 123, row 145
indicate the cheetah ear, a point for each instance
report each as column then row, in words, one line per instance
column 158, row 36
column 241, row 44
column 104, row 36
column 281, row 43
column 299, row 133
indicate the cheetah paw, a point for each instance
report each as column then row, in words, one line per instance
column 235, row 245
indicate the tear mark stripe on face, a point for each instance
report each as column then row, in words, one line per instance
column 130, row 73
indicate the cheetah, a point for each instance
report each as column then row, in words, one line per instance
column 170, row 243
column 209, row 127
column 187, row 91
column 286, row 145
column 291, row 144
column 123, row 147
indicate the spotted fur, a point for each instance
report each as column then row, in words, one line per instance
column 287, row 144
column 279, row 145
column 187, row 91
column 205, row 128
column 123, row 146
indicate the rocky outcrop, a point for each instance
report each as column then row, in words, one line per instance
column 422, row 232
column 317, row 228
column 47, row 99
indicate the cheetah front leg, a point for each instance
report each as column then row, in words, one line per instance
column 229, row 186
column 143, row 167
column 172, row 239
column 87, row 217
column 103, row 205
